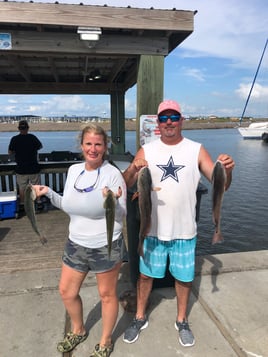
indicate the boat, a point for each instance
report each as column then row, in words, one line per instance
column 254, row 130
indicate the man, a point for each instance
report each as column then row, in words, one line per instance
column 175, row 164
column 25, row 146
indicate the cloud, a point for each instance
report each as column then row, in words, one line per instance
column 12, row 100
column 194, row 73
column 259, row 92
column 33, row 109
column 231, row 29
column 67, row 105
column 10, row 110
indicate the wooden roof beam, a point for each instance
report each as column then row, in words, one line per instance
column 58, row 88
column 52, row 42
column 96, row 16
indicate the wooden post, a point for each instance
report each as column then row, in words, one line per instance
column 149, row 87
column 118, row 122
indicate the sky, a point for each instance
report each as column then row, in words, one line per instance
column 210, row 73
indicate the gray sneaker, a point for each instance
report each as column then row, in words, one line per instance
column 132, row 332
column 186, row 336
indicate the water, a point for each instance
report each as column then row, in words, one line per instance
column 245, row 206
column 61, row 141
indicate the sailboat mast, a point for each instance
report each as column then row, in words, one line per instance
column 242, row 116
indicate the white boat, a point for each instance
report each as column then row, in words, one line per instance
column 254, row 130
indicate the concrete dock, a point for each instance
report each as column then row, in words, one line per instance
column 228, row 310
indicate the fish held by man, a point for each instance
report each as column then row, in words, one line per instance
column 218, row 189
column 29, row 198
column 109, row 206
column 144, row 187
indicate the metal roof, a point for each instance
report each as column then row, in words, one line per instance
column 48, row 57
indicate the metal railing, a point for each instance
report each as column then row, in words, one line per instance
column 54, row 167
column 52, row 175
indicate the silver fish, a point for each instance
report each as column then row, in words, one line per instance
column 109, row 206
column 144, row 186
column 29, row 198
column 218, row 188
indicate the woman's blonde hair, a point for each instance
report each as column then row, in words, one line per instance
column 96, row 129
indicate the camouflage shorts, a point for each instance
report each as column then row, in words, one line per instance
column 96, row 260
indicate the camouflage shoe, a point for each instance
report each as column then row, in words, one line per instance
column 70, row 341
column 102, row 351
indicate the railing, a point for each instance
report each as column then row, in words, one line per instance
column 54, row 167
column 53, row 174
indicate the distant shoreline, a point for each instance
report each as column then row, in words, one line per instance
column 129, row 126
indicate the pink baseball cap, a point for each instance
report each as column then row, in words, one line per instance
column 169, row 105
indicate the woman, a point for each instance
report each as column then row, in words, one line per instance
column 86, row 249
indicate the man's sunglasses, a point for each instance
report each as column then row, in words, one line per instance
column 173, row 118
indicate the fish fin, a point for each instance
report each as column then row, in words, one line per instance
column 156, row 188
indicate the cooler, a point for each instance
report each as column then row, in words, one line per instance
column 8, row 204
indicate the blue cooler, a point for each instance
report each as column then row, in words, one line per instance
column 8, row 204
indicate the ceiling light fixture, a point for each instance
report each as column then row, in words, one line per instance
column 97, row 74
column 94, row 75
column 89, row 33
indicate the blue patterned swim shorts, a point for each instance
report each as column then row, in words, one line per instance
column 181, row 253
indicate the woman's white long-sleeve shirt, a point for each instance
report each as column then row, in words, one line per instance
column 87, row 225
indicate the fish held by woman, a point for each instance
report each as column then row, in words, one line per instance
column 109, row 206
column 218, row 189
column 29, row 198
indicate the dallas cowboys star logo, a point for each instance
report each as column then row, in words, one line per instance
column 170, row 170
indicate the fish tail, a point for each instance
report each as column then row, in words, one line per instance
column 43, row 240
column 110, row 229
column 109, row 206
column 140, row 246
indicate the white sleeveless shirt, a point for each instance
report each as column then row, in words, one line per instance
column 175, row 171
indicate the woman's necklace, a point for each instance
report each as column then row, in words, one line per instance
column 86, row 189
